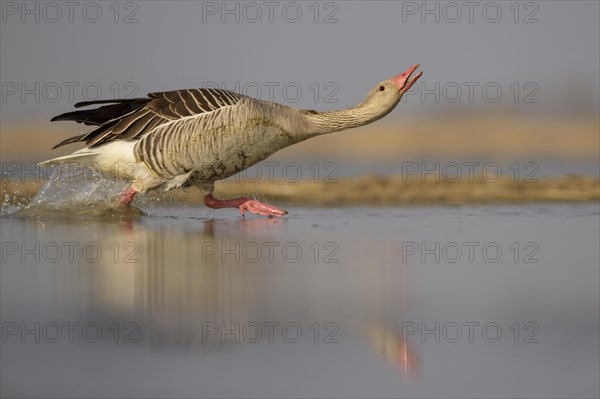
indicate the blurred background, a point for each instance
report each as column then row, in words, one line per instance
column 496, row 150
column 501, row 81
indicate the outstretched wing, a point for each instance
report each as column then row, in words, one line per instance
column 131, row 119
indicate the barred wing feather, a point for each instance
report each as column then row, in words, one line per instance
column 132, row 119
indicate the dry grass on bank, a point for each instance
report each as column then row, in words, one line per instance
column 372, row 190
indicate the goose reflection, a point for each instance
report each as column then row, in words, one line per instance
column 213, row 284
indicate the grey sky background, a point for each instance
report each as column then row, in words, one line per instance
column 185, row 44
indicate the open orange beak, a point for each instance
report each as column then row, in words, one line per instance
column 403, row 81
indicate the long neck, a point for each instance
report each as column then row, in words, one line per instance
column 334, row 121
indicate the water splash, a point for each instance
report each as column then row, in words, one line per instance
column 11, row 204
column 75, row 191
column 74, row 187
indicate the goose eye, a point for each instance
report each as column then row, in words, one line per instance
column 381, row 88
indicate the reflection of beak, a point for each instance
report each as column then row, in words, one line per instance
column 402, row 81
column 408, row 360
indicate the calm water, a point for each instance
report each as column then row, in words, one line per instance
column 414, row 302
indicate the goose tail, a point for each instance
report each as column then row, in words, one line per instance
column 85, row 155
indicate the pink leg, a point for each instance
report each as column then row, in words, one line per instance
column 127, row 196
column 244, row 203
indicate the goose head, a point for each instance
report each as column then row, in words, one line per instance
column 380, row 101
column 385, row 95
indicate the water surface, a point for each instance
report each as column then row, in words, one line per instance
column 351, row 302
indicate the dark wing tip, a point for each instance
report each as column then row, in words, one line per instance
column 86, row 103
column 74, row 117
column 111, row 109
column 141, row 100
column 69, row 141
column 60, row 117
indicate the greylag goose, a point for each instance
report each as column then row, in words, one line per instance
column 198, row 136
